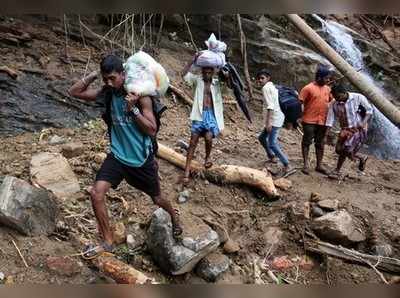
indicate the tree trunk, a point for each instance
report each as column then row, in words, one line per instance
column 371, row 92
column 224, row 173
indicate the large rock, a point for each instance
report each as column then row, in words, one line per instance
column 338, row 227
column 53, row 172
column 212, row 266
column 29, row 210
column 178, row 258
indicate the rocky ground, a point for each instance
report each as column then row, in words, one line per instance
column 258, row 228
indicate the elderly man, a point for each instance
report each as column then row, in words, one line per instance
column 207, row 112
column 352, row 111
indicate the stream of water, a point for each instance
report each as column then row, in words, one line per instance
column 383, row 137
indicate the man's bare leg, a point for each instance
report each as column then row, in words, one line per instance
column 97, row 195
column 305, row 149
column 208, row 138
column 166, row 205
column 194, row 140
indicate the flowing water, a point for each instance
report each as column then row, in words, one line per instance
column 384, row 136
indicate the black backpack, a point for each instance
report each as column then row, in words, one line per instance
column 158, row 110
column 290, row 104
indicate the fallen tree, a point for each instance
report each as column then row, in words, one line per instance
column 370, row 91
column 224, row 173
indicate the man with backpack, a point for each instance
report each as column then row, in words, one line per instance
column 132, row 125
column 352, row 111
column 274, row 119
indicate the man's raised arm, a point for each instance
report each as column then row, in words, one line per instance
column 81, row 88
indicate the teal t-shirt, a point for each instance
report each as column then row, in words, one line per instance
column 128, row 143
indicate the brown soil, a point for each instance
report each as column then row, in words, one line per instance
column 373, row 197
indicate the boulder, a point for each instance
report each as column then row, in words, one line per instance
column 338, row 227
column 27, row 209
column 212, row 266
column 198, row 240
column 72, row 149
column 53, row 172
column 329, row 205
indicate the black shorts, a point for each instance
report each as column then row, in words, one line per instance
column 144, row 178
column 314, row 132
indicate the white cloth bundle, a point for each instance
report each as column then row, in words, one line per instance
column 145, row 76
column 214, row 56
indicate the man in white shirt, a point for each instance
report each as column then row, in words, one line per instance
column 274, row 119
column 207, row 112
column 352, row 111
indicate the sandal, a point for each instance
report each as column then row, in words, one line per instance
column 92, row 251
column 288, row 173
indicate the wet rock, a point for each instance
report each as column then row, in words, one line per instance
column 72, row 149
column 56, row 140
column 212, row 266
column 119, row 233
column 53, row 172
column 64, row 266
column 100, row 157
column 317, row 211
column 183, row 196
column 27, row 209
column 329, row 205
column 231, row 247
column 198, row 240
column 338, row 227
column 283, row 184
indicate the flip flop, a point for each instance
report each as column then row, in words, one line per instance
column 92, row 251
column 361, row 165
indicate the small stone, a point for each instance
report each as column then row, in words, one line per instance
column 182, row 144
column 69, row 132
column 315, row 197
column 306, row 263
column 64, row 266
column 283, row 184
column 2, row 276
column 119, row 232
column 100, row 157
column 183, row 196
column 56, row 140
column 330, row 205
column 212, row 266
column 317, row 212
column 300, row 210
column 72, row 149
column 231, row 247
column 9, row 280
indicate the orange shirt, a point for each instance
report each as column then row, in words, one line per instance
column 316, row 100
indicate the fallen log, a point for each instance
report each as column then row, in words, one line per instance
column 119, row 271
column 374, row 94
column 386, row 264
column 224, row 173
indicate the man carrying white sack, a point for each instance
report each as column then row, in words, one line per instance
column 207, row 112
column 132, row 124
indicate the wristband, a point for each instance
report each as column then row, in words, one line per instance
column 135, row 111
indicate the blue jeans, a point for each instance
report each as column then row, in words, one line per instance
column 271, row 145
